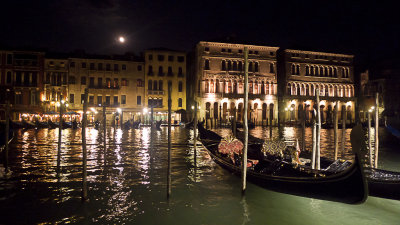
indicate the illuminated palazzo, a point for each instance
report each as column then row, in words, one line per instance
column 302, row 72
column 219, row 71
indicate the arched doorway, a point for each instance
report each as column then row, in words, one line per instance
column 271, row 113
column 208, row 108
column 216, row 117
column 224, row 111
column 240, row 112
column 264, row 113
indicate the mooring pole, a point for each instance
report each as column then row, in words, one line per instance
column 234, row 121
column 371, row 159
column 303, row 128
column 151, row 119
column 245, row 119
column 220, row 117
column 376, row 129
column 318, row 146
column 104, row 128
column 59, row 139
column 169, row 140
column 343, row 128
column 84, row 153
column 335, row 129
column 195, row 134
column 6, row 169
column 314, row 139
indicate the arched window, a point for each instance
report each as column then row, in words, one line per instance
column 321, row 71
column 160, row 71
column 150, row 85
column 217, row 86
column 250, row 66
column 180, row 102
column 256, row 67
column 335, row 72
column 223, row 65
column 150, row 72
column 229, row 65
column 207, row 87
column 326, row 71
column 307, row 70
column 240, row 66
column 293, row 69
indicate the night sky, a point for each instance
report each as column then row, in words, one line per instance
column 370, row 31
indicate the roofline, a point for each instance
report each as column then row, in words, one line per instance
column 237, row 45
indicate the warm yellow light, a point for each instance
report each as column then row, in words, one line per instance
column 58, row 104
column 192, row 106
column 62, row 101
column 348, row 104
column 119, row 110
column 121, row 39
column 145, row 110
column 308, row 102
column 372, row 107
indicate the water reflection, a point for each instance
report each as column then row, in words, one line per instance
column 127, row 183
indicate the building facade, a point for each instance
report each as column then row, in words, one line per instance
column 219, row 82
column 22, row 75
column 302, row 72
column 117, row 84
column 55, row 84
column 162, row 68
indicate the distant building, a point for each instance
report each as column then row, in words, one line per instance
column 22, row 74
column 218, row 82
column 165, row 67
column 55, row 83
column 302, row 72
column 116, row 83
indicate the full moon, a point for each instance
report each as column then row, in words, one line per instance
column 121, row 39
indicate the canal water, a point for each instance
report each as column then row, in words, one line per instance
column 127, row 183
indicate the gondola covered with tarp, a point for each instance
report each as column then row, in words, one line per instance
column 345, row 185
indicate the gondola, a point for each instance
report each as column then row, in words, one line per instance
column 75, row 124
column 136, row 125
column 126, row 125
column 66, row 124
column 40, row 125
column 28, row 125
column 3, row 136
column 52, row 125
column 381, row 183
column 347, row 186
column 97, row 125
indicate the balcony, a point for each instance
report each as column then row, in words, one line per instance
column 104, row 87
column 155, row 92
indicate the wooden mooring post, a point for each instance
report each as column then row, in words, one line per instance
column 104, row 128
column 6, row 168
column 335, row 129
column 245, row 118
column 371, row 158
column 84, row 152
column 376, row 129
column 195, row 135
column 169, row 140
column 318, row 144
column 60, row 124
column 343, row 128
column 314, row 139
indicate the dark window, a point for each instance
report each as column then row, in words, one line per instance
column 139, row 68
column 18, row 78
column 180, row 72
column 9, row 77
column 170, row 58
column 229, row 50
column 160, row 71
column 116, row 67
column 229, row 65
column 91, row 81
column 82, row 98
column 108, row 100
column 100, row 66
column 64, row 79
column 181, row 59
column 123, row 99
column 240, row 51
column 150, row 72
column 71, row 98
column 115, row 100
column 271, row 68
column 223, row 50
column 139, row 100
column 180, row 87
column 207, row 64
column 83, row 80
column 207, row 49
column 99, row 100
column 123, row 67
column 256, row 52
column 180, row 102
column 150, row 85
column 155, row 85
column 240, row 66
column 170, row 71
column 108, row 67
column 250, row 66
column 108, row 82
column 256, row 67
column 223, row 65
column 139, row 82
column 83, row 65
column 250, row 52
column 160, row 85
column 116, row 83
column 9, row 59
column 72, row 65
column 99, row 82
column 91, row 99
column 18, row 98
column 150, row 57
column 160, row 57
column 92, row 66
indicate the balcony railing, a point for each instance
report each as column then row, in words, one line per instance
column 103, row 87
column 155, row 92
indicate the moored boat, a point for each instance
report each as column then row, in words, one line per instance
column 347, row 186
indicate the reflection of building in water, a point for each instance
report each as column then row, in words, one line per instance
column 219, row 78
column 302, row 72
